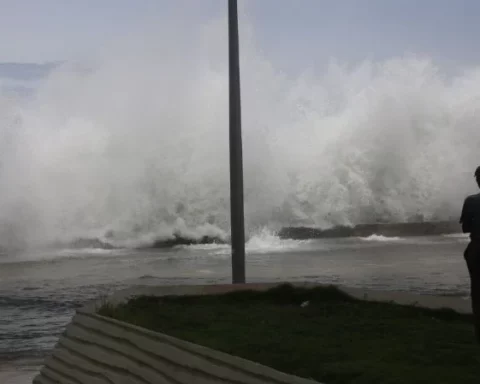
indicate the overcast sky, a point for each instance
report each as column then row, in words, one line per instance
column 291, row 32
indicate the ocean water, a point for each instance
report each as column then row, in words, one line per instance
column 39, row 292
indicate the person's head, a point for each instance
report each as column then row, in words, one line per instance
column 477, row 176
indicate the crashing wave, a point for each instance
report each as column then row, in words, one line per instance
column 139, row 143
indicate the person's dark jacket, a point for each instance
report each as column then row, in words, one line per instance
column 470, row 218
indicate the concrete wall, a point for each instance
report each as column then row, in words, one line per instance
column 99, row 350
column 429, row 228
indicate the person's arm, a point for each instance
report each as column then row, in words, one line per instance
column 466, row 217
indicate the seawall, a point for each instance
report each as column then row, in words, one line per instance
column 99, row 350
column 433, row 228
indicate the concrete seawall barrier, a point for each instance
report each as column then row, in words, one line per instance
column 433, row 228
column 99, row 350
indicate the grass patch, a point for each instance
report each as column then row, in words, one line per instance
column 336, row 339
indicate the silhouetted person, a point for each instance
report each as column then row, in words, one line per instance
column 470, row 220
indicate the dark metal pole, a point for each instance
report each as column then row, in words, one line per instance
column 236, row 161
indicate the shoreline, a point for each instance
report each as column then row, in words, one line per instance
column 176, row 352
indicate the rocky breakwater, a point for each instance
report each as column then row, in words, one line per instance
column 434, row 228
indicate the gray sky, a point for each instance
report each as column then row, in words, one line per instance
column 294, row 33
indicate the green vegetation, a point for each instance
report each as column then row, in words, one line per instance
column 335, row 339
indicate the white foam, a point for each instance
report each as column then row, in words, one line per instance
column 458, row 236
column 165, row 232
column 85, row 251
column 263, row 241
column 205, row 271
column 380, row 238
column 268, row 241
column 50, row 255
column 206, row 247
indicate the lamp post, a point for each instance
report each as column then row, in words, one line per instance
column 236, row 160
